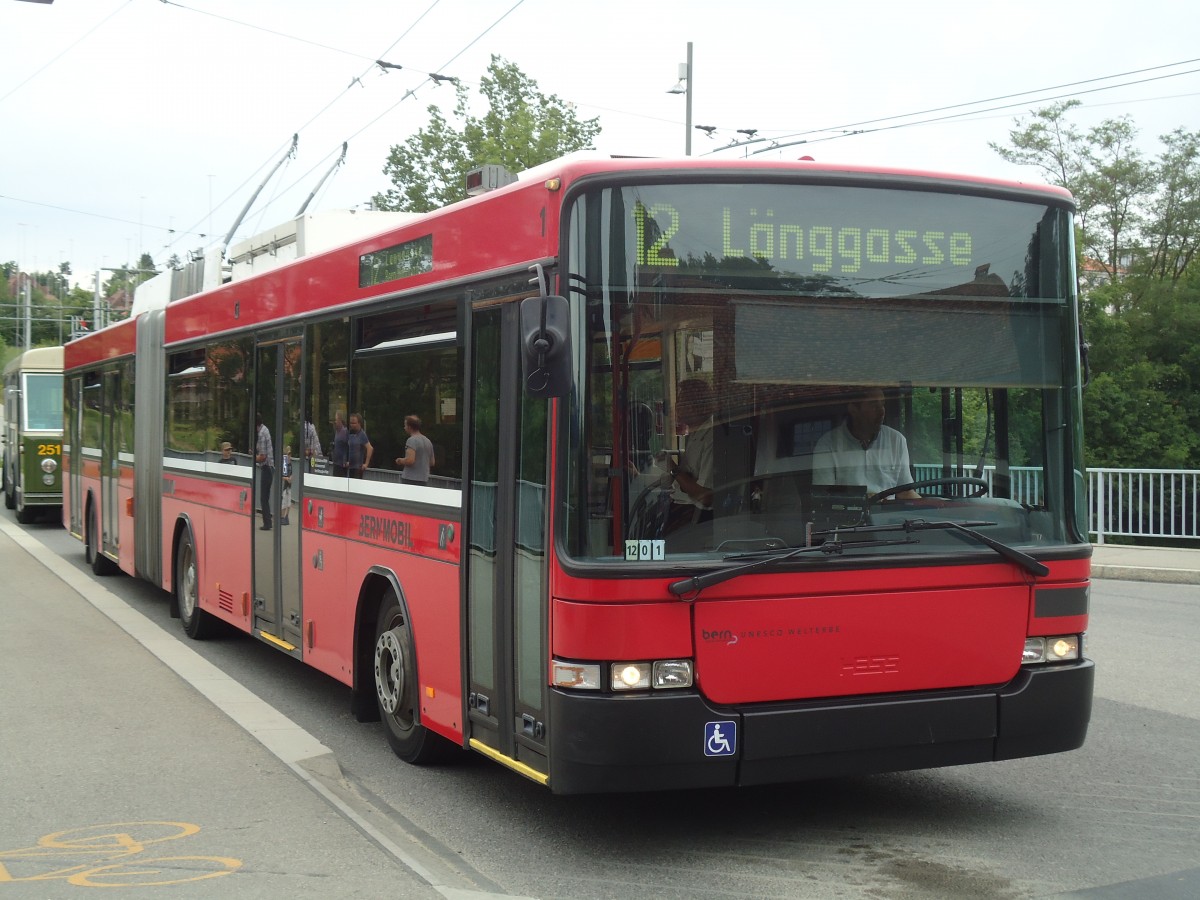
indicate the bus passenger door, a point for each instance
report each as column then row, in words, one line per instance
column 506, row 551
column 276, row 534
column 73, row 435
column 110, row 462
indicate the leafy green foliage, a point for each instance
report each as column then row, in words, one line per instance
column 521, row 128
column 1138, row 232
column 52, row 304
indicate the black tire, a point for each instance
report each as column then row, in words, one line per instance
column 396, row 689
column 10, row 493
column 101, row 564
column 90, row 541
column 197, row 624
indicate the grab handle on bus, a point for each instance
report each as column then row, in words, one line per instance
column 546, row 346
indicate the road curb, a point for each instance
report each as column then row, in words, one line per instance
column 1146, row 573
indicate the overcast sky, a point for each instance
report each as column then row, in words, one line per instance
column 146, row 125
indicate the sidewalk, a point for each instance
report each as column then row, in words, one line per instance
column 1166, row 565
column 128, row 760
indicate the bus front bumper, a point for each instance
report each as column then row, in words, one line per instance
column 666, row 741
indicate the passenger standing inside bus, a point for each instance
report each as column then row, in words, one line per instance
column 264, row 455
column 862, row 450
column 358, row 447
column 341, row 447
column 418, row 456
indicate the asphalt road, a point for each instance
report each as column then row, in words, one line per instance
column 1117, row 819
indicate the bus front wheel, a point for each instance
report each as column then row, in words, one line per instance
column 197, row 623
column 26, row 515
column 396, row 686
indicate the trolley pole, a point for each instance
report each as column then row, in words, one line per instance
column 28, row 314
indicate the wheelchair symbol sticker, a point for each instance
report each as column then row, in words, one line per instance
column 720, row 738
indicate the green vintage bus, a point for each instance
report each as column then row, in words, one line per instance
column 33, row 431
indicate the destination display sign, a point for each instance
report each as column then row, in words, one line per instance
column 413, row 257
column 758, row 234
column 862, row 240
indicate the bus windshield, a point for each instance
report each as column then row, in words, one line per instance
column 772, row 366
column 43, row 401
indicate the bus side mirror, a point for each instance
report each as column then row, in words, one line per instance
column 546, row 346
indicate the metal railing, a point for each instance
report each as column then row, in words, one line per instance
column 1147, row 503
column 1025, row 482
column 1157, row 503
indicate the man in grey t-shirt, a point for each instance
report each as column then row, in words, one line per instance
column 418, row 454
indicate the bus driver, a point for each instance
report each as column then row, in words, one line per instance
column 862, row 450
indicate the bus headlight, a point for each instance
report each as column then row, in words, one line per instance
column 1061, row 648
column 630, row 676
column 661, row 674
column 48, row 466
column 672, row 673
column 641, row 675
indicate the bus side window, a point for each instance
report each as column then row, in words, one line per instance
column 408, row 363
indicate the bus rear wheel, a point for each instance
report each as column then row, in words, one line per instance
column 396, row 687
column 101, row 564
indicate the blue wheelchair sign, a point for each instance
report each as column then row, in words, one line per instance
column 720, row 738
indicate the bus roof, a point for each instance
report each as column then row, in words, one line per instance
column 463, row 240
column 575, row 166
column 39, row 359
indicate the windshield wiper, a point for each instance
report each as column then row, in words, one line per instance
column 908, row 526
column 694, row 585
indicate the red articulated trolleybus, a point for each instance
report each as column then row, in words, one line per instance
column 743, row 471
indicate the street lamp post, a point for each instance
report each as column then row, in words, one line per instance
column 684, row 86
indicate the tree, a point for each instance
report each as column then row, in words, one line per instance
column 1139, row 220
column 1102, row 167
column 1173, row 221
column 1049, row 142
column 521, row 128
column 119, row 289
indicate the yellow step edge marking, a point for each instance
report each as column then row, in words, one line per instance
column 278, row 642
column 492, row 753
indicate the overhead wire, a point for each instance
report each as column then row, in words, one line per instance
column 408, row 93
column 973, row 103
column 1053, row 87
column 411, row 92
column 962, row 114
column 66, row 50
column 358, row 79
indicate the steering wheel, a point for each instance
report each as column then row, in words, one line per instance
column 980, row 486
column 648, row 513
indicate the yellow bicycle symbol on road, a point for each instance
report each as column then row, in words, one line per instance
column 104, row 856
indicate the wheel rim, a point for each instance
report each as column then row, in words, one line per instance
column 187, row 584
column 389, row 671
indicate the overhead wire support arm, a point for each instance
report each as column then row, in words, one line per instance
column 341, row 159
column 237, row 223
